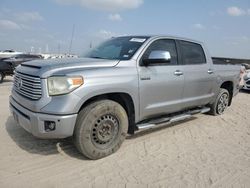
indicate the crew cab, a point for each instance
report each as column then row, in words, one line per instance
column 126, row 84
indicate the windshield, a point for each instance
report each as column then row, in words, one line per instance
column 120, row 48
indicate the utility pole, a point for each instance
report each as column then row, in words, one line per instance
column 47, row 49
column 31, row 49
column 71, row 40
column 59, row 48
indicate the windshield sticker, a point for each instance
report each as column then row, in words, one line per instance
column 137, row 40
column 125, row 55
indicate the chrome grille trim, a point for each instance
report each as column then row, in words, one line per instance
column 27, row 86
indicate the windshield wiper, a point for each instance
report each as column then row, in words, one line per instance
column 96, row 57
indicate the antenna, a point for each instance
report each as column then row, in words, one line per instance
column 71, row 40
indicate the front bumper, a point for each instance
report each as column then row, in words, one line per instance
column 34, row 123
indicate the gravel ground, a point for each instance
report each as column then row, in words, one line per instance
column 206, row 151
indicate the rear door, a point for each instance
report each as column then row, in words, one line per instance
column 160, row 84
column 198, row 75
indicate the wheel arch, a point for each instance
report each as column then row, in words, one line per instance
column 124, row 99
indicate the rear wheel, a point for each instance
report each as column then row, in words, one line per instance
column 1, row 77
column 101, row 128
column 221, row 103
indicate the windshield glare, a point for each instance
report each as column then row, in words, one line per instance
column 120, row 48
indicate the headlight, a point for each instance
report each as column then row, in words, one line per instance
column 59, row 85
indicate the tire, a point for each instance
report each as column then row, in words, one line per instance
column 221, row 103
column 1, row 77
column 101, row 128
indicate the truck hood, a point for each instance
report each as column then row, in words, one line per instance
column 45, row 68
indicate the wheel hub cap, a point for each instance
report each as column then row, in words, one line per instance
column 223, row 103
column 105, row 130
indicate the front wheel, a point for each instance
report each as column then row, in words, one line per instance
column 101, row 128
column 221, row 103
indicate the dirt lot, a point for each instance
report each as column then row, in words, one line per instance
column 206, row 151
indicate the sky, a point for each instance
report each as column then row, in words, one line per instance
column 48, row 25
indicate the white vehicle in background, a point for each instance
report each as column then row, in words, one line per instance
column 246, row 79
column 8, row 53
column 58, row 56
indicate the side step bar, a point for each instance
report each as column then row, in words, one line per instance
column 171, row 119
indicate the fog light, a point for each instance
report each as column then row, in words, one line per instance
column 49, row 126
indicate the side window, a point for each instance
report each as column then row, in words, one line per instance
column 165, row 45
column 192, row 53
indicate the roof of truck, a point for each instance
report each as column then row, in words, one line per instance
column 162, row 36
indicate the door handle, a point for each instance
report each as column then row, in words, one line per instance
column 178, row 73
column 210, row 71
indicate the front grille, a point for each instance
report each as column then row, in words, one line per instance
column 28, row 86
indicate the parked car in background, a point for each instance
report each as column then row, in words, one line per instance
column 6, row 69
column 246, row 80
column 8, row 53
column 247, row 66
column 245, row 76
column 7, row 65
column 20, row 58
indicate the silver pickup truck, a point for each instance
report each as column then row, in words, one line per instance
column 126, row 84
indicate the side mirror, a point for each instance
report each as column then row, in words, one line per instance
column 158, row 56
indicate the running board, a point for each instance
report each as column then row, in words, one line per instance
column 167, row 120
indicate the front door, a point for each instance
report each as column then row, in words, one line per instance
column 160, row 84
